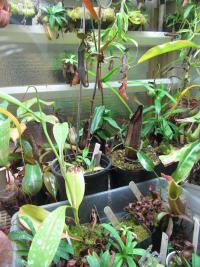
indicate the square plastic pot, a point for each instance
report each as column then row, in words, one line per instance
column 192, row 198
column 117, row 199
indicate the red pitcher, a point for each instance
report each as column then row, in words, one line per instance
column 4, row 13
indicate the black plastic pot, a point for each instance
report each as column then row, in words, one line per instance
column 94, row 182
column 117, row 199
column 121, row 177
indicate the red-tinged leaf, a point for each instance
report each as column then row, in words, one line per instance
column 103, row 48
column 122, row 89
column 5, row 250
column 167, row 177
column 91, row 9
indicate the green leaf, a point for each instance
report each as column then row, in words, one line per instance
column 195, row 118
column 19, row 236
column 34, row 213
column 63, row 251
column 51, row 183
column 93, row 261
column 119, row 23
column 22, row 253
column 195, row 260
column 108, row 77
column 166, row 129
column 114, row 91
column 158, row 104
column 145, row 161
column 47, row 239
column 85, row 152
column 32, row 181
column 174, row 156
column 118, row 261
column 52, row 21
column 164, row 92
column 21, row 262
column 167, row 47
column 105, row 259
column 4, row 105
column 114, row 233
column 188, row 10
column 187, row 160
column 60, row 132
column 29, row 103
column 148, row 128
column 4, row 142
column 27, row 149
column 139, row 251
column 111, row 122
column 29, row 223
column 130, row 261
column 97, row 119
column 40, row 116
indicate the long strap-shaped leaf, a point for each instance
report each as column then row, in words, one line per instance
column 182, row 94
column 46, row 241
column 187, row 160
column 17, row 124
column 12, row 118
column 91, row 9
column 166, row 48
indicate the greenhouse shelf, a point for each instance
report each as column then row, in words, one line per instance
column 57, row 90
column 36, row 34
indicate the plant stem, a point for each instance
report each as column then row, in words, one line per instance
column 76, row 218
column 78, row 115
column 98, row 77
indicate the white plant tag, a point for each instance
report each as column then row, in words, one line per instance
column 195, row 233
column 135, row 190
column 163, row 248
column 96, row 150
column 111, row 216
column 97, row 159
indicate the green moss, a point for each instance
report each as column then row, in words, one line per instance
column 119, row 160
column 89, row 235
column 141, row 232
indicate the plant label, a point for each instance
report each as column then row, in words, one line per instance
column 195, row 233
column 135, row 190
column 163, row 248
column 97, row 159
column 96, row 150
column 111, row 216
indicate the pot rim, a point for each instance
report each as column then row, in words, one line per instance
column 103, row 158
